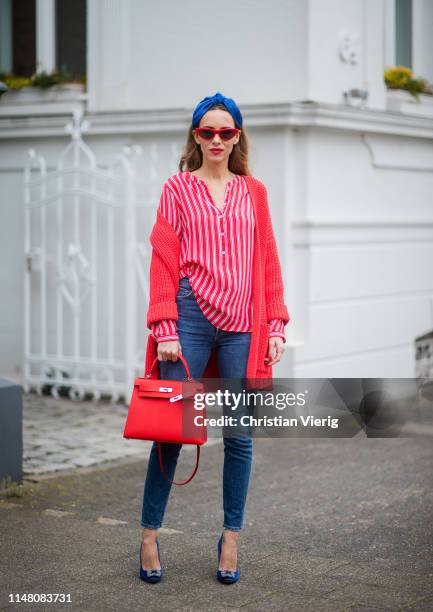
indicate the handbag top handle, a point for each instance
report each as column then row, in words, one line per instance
column 181, row 357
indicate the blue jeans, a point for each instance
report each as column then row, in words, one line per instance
column 198, row 337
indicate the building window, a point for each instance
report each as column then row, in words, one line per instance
column 403, row 33
column 24, row 37
column 38, row 35
column 18, row 36
column 71, row 36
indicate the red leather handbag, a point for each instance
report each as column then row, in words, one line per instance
column 163, row 410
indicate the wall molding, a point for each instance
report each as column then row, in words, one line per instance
column 298, row 115
column 347, row 233
column 327, row 223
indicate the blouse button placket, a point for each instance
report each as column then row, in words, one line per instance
column 222, row 233
column 221, row 219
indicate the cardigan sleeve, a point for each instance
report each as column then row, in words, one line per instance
column 274, row 290
column 165, row 329
column 162, row 306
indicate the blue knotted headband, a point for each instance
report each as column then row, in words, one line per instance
column 205, row 104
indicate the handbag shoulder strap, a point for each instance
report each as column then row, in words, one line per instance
column 161, row 465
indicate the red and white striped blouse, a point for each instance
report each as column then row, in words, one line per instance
column 216, row 252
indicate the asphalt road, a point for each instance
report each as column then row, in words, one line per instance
column 330, row 524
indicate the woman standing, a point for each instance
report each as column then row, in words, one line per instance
column 216, row 297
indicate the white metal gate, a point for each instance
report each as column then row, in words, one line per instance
column 85, row 288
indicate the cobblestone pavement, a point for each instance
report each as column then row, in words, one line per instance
column 59, row 434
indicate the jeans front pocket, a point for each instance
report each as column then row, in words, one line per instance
column 185, row 289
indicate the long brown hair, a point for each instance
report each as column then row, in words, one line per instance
column 192, row 157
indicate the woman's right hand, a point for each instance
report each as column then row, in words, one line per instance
column 169, row 350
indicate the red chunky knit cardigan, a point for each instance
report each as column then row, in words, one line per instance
column 268, row 290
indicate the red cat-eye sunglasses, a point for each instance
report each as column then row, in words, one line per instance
column 208, row 133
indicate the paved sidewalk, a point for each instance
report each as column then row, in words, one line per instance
column 331, row 525
column 59, row 434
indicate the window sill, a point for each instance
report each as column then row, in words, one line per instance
column 401, row 101
column 36, row 101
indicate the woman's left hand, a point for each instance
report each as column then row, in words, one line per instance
column 275, row 350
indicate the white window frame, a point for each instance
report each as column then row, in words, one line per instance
column 45, row 35
column 389, row 34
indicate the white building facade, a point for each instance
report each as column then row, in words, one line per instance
column 348, row 164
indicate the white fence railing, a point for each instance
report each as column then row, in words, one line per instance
column 86, row 286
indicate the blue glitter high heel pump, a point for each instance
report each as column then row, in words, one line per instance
column 226, row 576
column 153, row 575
